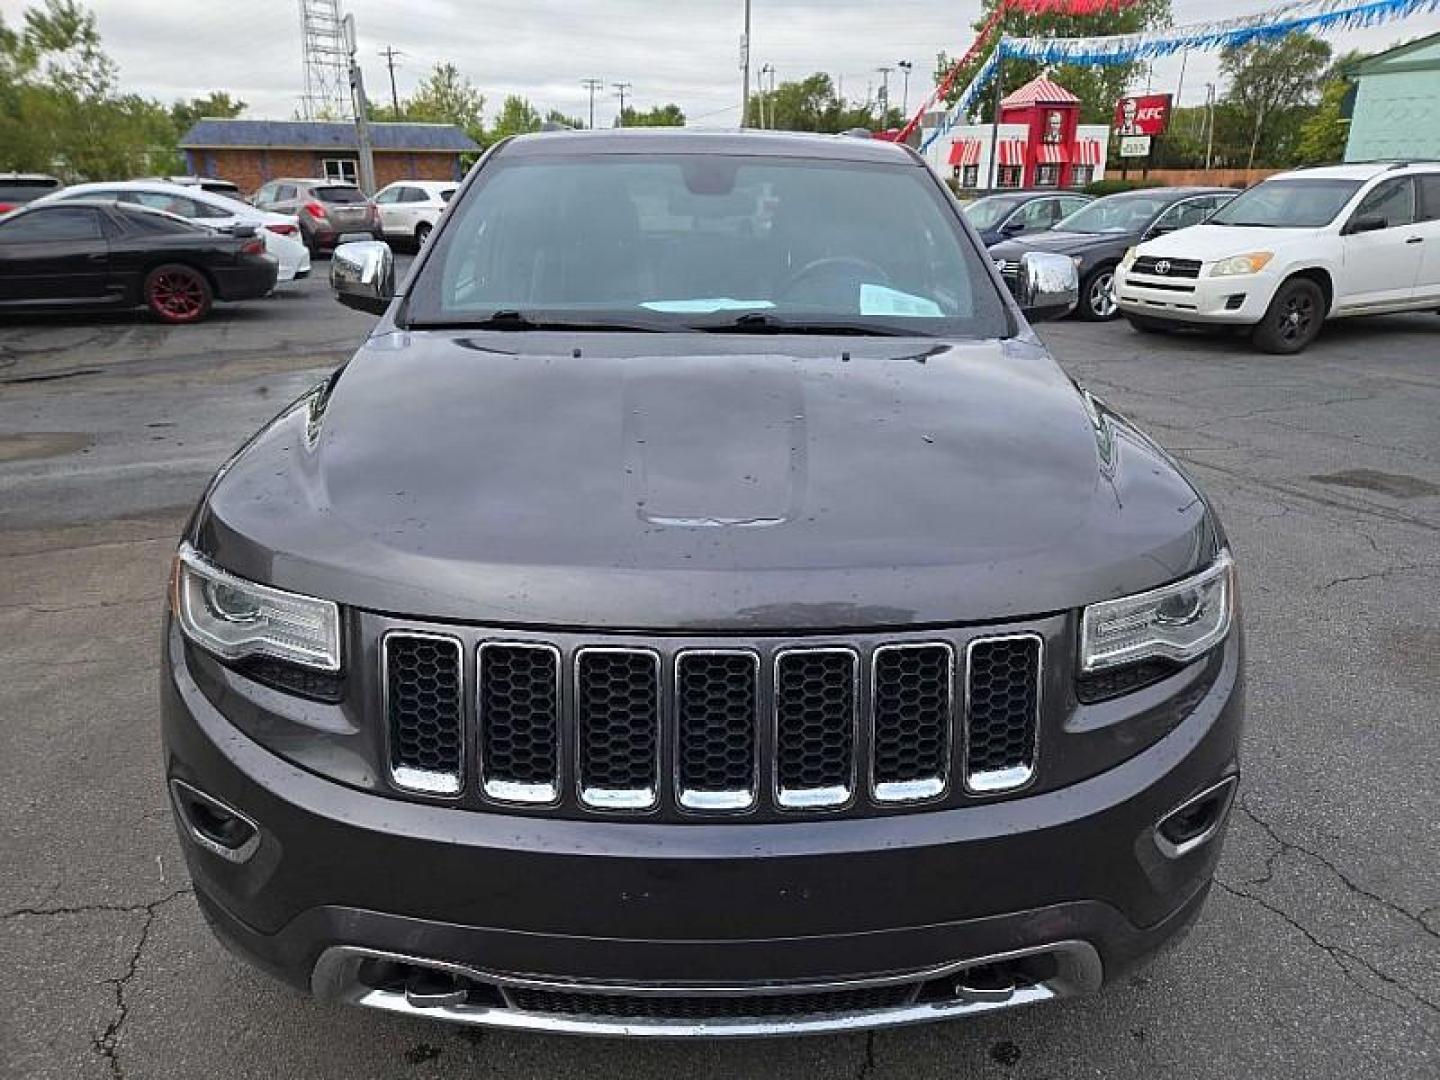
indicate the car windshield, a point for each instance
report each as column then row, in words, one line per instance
column 988, row 212
column 711, row 242
column 1295, row 203
column 13, row 191
column 1115, row 214
column 340, row 195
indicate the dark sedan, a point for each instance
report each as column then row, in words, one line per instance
column 1096, row 237
column 1019, row 213
column 96, row 254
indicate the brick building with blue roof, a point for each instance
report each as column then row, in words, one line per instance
column 250, row 152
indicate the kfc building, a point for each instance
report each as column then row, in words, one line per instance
column 1041, row 144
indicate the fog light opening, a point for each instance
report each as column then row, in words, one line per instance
column 219, row 829
column 1195, row 821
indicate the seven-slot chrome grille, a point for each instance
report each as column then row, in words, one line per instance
column 710, row 729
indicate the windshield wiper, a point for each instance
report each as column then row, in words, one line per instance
column 514, row 320
column 761, row 322
column 1245, row 224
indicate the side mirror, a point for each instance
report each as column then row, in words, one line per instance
column 1369, row 223
column 1047, row 285
column 362, row 275
column 1013, row 226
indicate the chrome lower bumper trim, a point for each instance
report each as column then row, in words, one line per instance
column 1077, row 965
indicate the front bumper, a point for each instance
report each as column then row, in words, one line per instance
column 1228, row 301
column 632, row 909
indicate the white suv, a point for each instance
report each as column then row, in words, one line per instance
column 1293, row 251
column 409, row 209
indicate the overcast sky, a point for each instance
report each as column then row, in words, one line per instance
column 685, row 51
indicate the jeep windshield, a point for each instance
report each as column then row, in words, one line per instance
column 712, row 242
column 1296, row 203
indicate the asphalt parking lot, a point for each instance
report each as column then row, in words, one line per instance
column 1317, row 956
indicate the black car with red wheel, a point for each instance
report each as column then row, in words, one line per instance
column 100, row 255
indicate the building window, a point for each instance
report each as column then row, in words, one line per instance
column 342, row 170
column 1080, row 175
column 1009, row 176
column 971, row 176
column 1047, row 175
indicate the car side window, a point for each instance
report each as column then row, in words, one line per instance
column 48, row 224
column 265, row 194
column 1393, row 200
column 1429, row 184
column 1069, row 206
column 284, row 192
column 414, row 195
column 1184, row 214
column 388, row 196
column 1036, row 214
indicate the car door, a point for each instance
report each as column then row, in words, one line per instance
column 1427, row 228
column 1381, row 248
column 388, row 203
column 54, row 254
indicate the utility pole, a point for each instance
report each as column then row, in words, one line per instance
column 1209, row 122
column 592, row 85
column 905, row 67
column 884, row 93
column 745, row 70
column 390, row 53
column 366, row 154
column 620, row 88
column 768, row 69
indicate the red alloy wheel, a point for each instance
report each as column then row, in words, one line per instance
column 178, row 294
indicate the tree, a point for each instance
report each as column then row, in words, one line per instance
column 812, row 104
column 1269, row 79
column 517, row 116
column 216, row 105
column 1324, row 134
column 1098, row 88
column 445, row 96
column 555, row 116
column 659, row 116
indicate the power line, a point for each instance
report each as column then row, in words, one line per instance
column 592, row 85
column 390, row 53
column 620, row 88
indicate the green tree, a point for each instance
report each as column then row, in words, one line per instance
column 215, row 105
column 659, row 116
column 517, row 116
column 555, row 116
column 1269, row 82
column 445, row 96
column 813, row 104
column 1324, row 134
column 1098, row 88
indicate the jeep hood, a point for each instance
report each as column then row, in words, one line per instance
column 690, row 481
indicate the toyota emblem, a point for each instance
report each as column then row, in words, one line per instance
column 1162, row 267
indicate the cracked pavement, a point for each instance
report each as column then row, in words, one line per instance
column 1318, row 954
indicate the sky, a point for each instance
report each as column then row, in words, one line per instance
column 682, row 51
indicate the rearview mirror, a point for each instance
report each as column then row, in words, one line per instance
column 1369, row 223
column 1047, row 285
column 362, row 275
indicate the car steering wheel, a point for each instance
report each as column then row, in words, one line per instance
column 833, row 266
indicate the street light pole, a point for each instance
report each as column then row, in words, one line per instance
column 905, row 66
column 366, row 157
column 745, row 70
column 884, row 93
column 592, row 85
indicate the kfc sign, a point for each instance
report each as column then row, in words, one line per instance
column 1143, row 115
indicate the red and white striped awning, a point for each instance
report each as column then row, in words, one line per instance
column 1087, row 152
column 965, row 152
column 1012, row 151
column 1053, row 154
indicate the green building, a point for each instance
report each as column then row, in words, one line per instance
column 1397, row 104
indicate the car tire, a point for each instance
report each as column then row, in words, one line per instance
column 1146, row 325
column 1292, row 320
column 1097, row 295
column 422, row 234
column 178, row 294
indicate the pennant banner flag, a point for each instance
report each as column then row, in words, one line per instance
column 1312, row 15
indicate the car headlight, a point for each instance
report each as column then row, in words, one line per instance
column 1252, row 263
column 234, row 618
column 1128, row 259
column 1175, row 622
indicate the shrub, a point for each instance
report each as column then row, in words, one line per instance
column 1111, row 186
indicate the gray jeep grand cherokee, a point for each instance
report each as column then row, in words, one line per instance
column 701, row 607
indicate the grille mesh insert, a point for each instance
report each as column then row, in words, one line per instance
column 815, row 715
column 711, row 1007
column 1003, row 702
column 716, row 722
column 912, row 696
column 425, row 706
column 618, row 702
column 519, row 706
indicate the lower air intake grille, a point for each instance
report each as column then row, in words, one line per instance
column 815, row 727
column 1002, row 712
column 618, row 706
column 912, row 719
column 519, row 710
column 712, row 1007
column 715, row 699
column 425, row 709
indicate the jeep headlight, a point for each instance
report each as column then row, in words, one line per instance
column 235, row 618
column 1176, row 622
column 1235, row 265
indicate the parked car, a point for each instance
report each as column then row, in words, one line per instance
column 102, row 254
column 1293, row 251
column 1019, row 213
column 281, row 232
column 702, row 607
column 326, row 210
column 205, row 183
column 17, row 189
column 1098, row 235
column 409, row 209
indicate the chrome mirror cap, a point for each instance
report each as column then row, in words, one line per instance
column 362, row 275
column 1047, row 285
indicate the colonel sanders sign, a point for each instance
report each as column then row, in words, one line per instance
column 1143, row 115
column 1054, row 127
